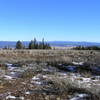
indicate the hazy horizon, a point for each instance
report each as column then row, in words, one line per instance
column 49, row 41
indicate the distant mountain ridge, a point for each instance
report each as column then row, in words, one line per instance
column 52, row 43
column 73, row 43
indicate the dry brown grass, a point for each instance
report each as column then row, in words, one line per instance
column 66, row 86
column 50, row 56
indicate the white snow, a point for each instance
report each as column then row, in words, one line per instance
column 13, row 97
column 27, row 92
column 10, row 97
column 8, row 77
column 79, row 96
column 12, row 73
column 75, row 98
column 82, row 95
column 86, row 79
column 9, row 65
column 44, row 76
column 37, row 83
column 77, row 63
column 35, row 78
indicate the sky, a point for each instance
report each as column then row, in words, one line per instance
column 53, row 20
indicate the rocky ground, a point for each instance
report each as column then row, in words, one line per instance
column 45, row 81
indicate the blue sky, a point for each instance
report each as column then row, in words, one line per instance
column 61, row 20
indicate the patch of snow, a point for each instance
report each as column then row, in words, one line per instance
column 37, row 83
column 13, row 97
column 8, row 77
column 82, row 95
column 35, row 78
column 71, row 68
column 63, row 73
column 44, row 76
column 86, row 79
column 10, row 97
column 77, row 63
column 95, row 80
column 12, row 73
column 9, row 65
column 27, row 92
column 79, row 97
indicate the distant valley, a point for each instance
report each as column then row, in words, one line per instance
column 52, row 43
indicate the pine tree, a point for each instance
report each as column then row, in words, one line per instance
column 31, row 45
column 43, row 44
column 47, row 46
column 38, row 45
column 19, row 45
column 35, row 43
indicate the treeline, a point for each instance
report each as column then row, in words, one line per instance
column 33, row 44
column 86, row 48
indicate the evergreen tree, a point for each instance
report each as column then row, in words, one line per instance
column 35, row 43
column 38, row 45
column 43, row 44
column 31, row 45
column 19, row 45
column 47, row 46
